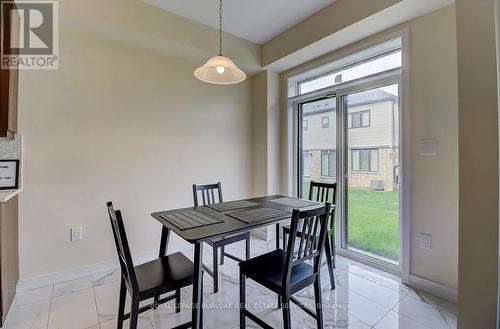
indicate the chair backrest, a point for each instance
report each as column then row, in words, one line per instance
column 313, row 223
column 122, row 247
column 210, row 194
column 323, row 192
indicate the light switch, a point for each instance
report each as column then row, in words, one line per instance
column 428, row 147
column 76, row 233
column 425, row 241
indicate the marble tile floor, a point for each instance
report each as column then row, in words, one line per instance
column 364, row 298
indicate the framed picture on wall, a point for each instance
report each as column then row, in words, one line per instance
column 9, row 174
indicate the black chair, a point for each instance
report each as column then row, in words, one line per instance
column 287, row 272
column 163, row 275
column 320, row 192
column 210, row 194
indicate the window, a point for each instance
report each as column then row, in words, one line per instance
column 325, row 122
column 373, row 66
column 328, row 163
column 307, row 163
column 305, row 125
column 359, row 119
column 364, row 160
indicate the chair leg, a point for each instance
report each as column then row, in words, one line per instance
column 319, row 304
column 134, row 312
column 284, row 239
column 329, row 263
column 247, row 248
column 177, row 301
column 334, row 253
column 277, row 236
column 121, row 304
column 242, row 302
column 202, row 305
column 216, row 269
column 287, row 316
column 221, row 255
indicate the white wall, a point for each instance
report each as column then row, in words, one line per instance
column 479, row 171
column 119, row 123
column 434, row 114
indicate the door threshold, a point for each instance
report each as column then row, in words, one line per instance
column 370, row 261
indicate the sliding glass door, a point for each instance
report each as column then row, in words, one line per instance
column 353, row 139
column 318, row 143
column 345, row 120
column 371, row 172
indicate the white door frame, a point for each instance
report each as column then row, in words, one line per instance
column 399, row 76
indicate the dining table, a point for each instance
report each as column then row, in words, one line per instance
column 199, row 224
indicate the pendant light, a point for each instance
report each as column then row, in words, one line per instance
column 219, row 69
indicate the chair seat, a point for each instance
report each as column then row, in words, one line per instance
column 166, row 274
column 268, row 270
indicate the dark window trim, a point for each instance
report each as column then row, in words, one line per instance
column 327, row 124
column 369, row 161
column 308, row 155
column 328, row 153
column 361, row 119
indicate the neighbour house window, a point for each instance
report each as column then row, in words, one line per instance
column 360, row 119
column 325, row 122
column 364, row 160
column 328, row 163
column 305, row 125
column 307, row 163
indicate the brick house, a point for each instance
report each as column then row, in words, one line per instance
column 372, row 138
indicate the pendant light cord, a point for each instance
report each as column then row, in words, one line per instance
column 220, row 28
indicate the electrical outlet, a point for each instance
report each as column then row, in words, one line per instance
column 425, row 241
column 76, row 233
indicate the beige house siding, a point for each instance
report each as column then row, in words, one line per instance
column 382, row 134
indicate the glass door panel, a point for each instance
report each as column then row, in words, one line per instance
column 371, row 186
column 317, row 143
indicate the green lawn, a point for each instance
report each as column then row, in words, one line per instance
column 372, row 221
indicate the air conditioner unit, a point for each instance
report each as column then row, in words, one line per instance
column 377, row 185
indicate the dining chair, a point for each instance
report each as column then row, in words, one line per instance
column 149, row 280
column 320, row 192
column 211, row 194
column 286, row 272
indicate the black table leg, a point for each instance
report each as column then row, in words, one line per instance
column 165, row 234
column 277, row 236
column 197, row 286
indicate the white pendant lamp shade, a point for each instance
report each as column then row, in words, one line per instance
column 220, row 70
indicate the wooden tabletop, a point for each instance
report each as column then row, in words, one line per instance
column 228, row 224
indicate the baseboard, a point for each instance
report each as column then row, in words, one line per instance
column 78, row 272
column 434, row 288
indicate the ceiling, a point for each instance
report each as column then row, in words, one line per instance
column 257, row 21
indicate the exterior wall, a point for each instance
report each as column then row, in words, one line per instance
column 361, row 179
column 357, row 179
column 382, row 134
